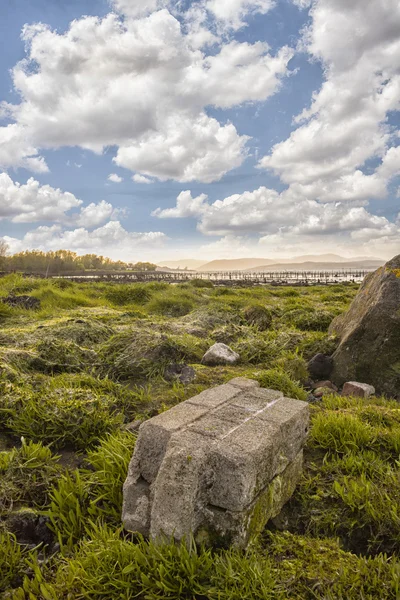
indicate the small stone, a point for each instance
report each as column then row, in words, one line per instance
column 179, row 372
column 320, row 367
column 324, row 384
column 220, row 354
column 359, row 390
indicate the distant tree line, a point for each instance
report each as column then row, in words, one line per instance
column 63, row 261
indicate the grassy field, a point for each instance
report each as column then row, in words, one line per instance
column 92, row 359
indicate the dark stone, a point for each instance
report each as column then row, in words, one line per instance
column 28, row 302
column 369, row 333
column 182, row 373
column 320, row 367
column 30, row 528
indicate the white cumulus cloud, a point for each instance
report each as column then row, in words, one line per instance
column 33, row 202
column 115, row 178
column 111, row 239
column 186, row 206
column 99, row 84
column 358, row 44
column 95, row 214
column 137, row 178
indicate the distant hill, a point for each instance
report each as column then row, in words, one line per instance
column 320, row 266
column 324, row 258
column 311, row 261
column 239, row 264
column 189, row 263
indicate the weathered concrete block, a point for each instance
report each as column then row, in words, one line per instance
column 217, row 466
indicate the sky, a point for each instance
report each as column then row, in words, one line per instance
column 160, row 129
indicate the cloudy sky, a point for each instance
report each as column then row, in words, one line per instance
column 154, row 129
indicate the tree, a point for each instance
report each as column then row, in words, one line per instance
column 3, row 253
column 144, row 266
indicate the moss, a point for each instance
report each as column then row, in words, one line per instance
column 318, row 569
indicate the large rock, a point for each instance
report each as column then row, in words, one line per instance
column 220, row 354
column 217, row 466
column 369, row 333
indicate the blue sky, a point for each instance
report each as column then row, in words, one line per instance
column 192, row 109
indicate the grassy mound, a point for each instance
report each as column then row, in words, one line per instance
column 143, row 353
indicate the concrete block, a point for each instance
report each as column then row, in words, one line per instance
column 216, row 465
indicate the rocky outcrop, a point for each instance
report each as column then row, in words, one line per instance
column 217, row 466
column 220, row 354
column 369, row 349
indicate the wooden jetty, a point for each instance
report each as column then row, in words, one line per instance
column 227, row 278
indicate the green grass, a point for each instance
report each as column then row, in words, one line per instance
column 278, row 379
column 92, row 359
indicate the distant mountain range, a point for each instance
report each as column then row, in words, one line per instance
column 189, row 263
column 305, row 262
column 308, row 262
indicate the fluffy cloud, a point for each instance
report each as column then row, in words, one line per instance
column 359, row 46
column 186, row 206
column 186, row 150
column 115, row 178
column 100, row 84
column 137, row 8
column 231, row 13
column 95, row 214
column 32, row 202
column 286, row 217
column 111, row 238
column 141, row 179
column 17, row 151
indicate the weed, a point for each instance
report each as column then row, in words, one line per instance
column 26, row 474
column 258, row 315
column 121, row 295
column 11, row 561
column 277, row 379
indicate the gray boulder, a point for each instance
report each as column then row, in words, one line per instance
column 220, row 354
column 359, row 390
column 369, row 333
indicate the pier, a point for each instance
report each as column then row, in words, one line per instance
column 226, row 278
